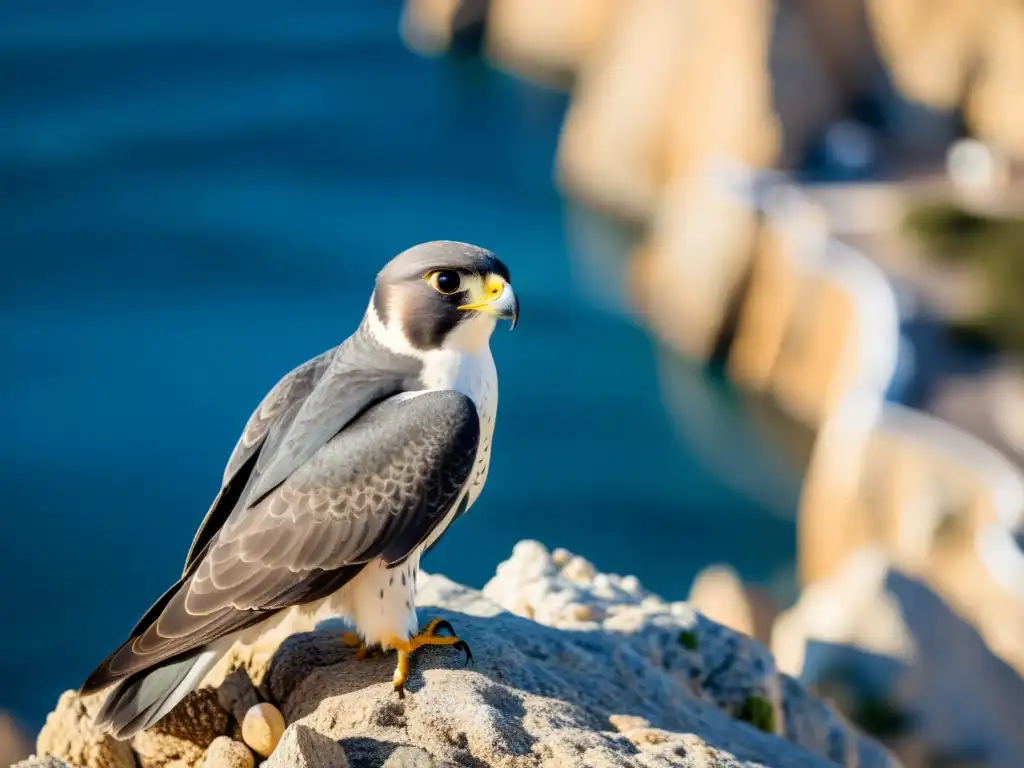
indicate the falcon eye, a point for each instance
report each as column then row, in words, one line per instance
column 446, row 281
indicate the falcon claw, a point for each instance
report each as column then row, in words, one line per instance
column 438, row 624
column 464, row 647
column 427, row 637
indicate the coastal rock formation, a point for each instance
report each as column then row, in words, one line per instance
column 705, row 230
column 897, row 657
column 571, row 667
column 705, row 91
column 548, row 42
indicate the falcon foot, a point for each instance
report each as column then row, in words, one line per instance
column 428, row 636
column 363, row 651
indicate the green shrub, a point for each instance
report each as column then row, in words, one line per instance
column 993, row 246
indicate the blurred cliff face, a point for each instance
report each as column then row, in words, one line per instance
column 827, row 201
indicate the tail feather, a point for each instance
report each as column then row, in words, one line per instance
column 142, row 700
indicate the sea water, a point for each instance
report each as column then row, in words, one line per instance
column 195, row 197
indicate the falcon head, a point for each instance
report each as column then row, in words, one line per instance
column 443, row 295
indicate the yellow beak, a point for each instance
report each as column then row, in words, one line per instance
column 495, row 296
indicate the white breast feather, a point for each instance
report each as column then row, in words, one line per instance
column 379, row 601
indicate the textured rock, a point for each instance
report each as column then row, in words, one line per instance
column 894, row 653
column 42, row 762
column 180, row 739
column 410, row 757
column 225, row 752
column 618, row 677
column 302, row 747
column 70, row 735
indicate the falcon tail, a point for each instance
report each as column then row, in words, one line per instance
column 140, row 701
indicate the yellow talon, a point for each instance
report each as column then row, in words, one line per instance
column 362, row 651
column 427, row 637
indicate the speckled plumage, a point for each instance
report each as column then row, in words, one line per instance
column 352, row 466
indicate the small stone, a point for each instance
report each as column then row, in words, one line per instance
column 581, row 612
column 561, row 557
column 225, row 752
column 630, row 584
column 626, row 723
column 579, row 570
column 302, row 747
column 262, row 728
column 602, row 583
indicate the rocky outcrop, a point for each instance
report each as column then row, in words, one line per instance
column 896, row 657
column 571, row 667
column 704, row 230
column 672, row 85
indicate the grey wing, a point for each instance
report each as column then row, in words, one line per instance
column 377, row 489
column 293, row 388
column 276, row 410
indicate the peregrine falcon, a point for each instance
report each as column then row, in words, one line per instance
column 352, row 466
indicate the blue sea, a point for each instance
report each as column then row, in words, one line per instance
column 195, row 197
